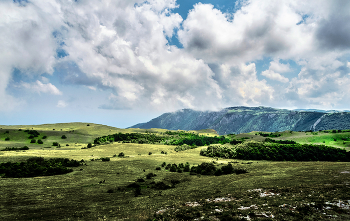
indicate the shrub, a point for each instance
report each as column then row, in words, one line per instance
column 44, row 137
column 158, row 168
column 89, row 145
column 179, row 170
column 187, row 168
column 7, row 132
column 19, row 129
column 110, row 191
column 168, row 166
column 40, row 141
column 121, row 154
column 31, row 137
column 7, row 138
column 173, row 168
column 88, row 125
column 55, row 144
column 67, row 145
column 33, row 141
column 150, row 175
column 64, row 137
column 150, row 153
column 163, row 164
column 105, row 159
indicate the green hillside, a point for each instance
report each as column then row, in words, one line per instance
column 167, row 178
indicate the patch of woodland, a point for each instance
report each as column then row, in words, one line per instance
column 38, row 166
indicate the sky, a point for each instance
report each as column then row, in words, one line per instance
column 120, row 63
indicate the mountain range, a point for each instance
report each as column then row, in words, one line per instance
column 246, row 119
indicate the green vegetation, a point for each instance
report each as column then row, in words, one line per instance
column 142, row 186
column 253, row 150
column 168, row 138
column 269, row 134
column 37, row 166
column 15, row 148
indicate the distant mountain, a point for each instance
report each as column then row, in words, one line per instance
column 246, row 119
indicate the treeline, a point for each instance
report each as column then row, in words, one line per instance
column 280, row 141
column 278, row 152
column 204, row 169
column 197, row 140
column 15, row 148
column 38, row 166
column 130, row 138
column 268, row 134
column 168, row 138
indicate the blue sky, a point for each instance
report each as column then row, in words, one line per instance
column 124, row 62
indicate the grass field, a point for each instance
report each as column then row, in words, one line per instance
column 99, row 190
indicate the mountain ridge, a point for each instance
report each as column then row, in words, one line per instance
column 243, row 119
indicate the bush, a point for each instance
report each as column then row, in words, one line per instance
column 89, row 145
column 150, row 153
column 33, row 141
column 44, row 137
column 105, row 158
column 31, row 137
column 158, row 168
column 173, row 168
column 40, row 141
column 163, row 164
column 67, row 145
column 150, row 175
column 187, row 168
column 121, row 154
column 7, row 132
column 7, row 138
column 64, row 137
column 55, row 144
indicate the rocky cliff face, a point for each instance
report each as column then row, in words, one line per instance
column 246, row 119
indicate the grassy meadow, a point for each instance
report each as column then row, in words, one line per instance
column 122, row 189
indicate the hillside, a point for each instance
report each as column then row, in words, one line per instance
column 246, row 119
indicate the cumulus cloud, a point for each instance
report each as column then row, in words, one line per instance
column 39, row 87
column 121, row 47
column 274, row 71
column 274, row 76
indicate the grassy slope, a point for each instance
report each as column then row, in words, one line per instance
column 79, row 196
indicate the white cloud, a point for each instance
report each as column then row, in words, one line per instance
column 39, row 87
column 278, row 67
column 61, row 104
column 274, row 76
column 92, row 88
column 121, row 46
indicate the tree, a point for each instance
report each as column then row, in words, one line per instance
column 64, row 137
column 40, row 141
